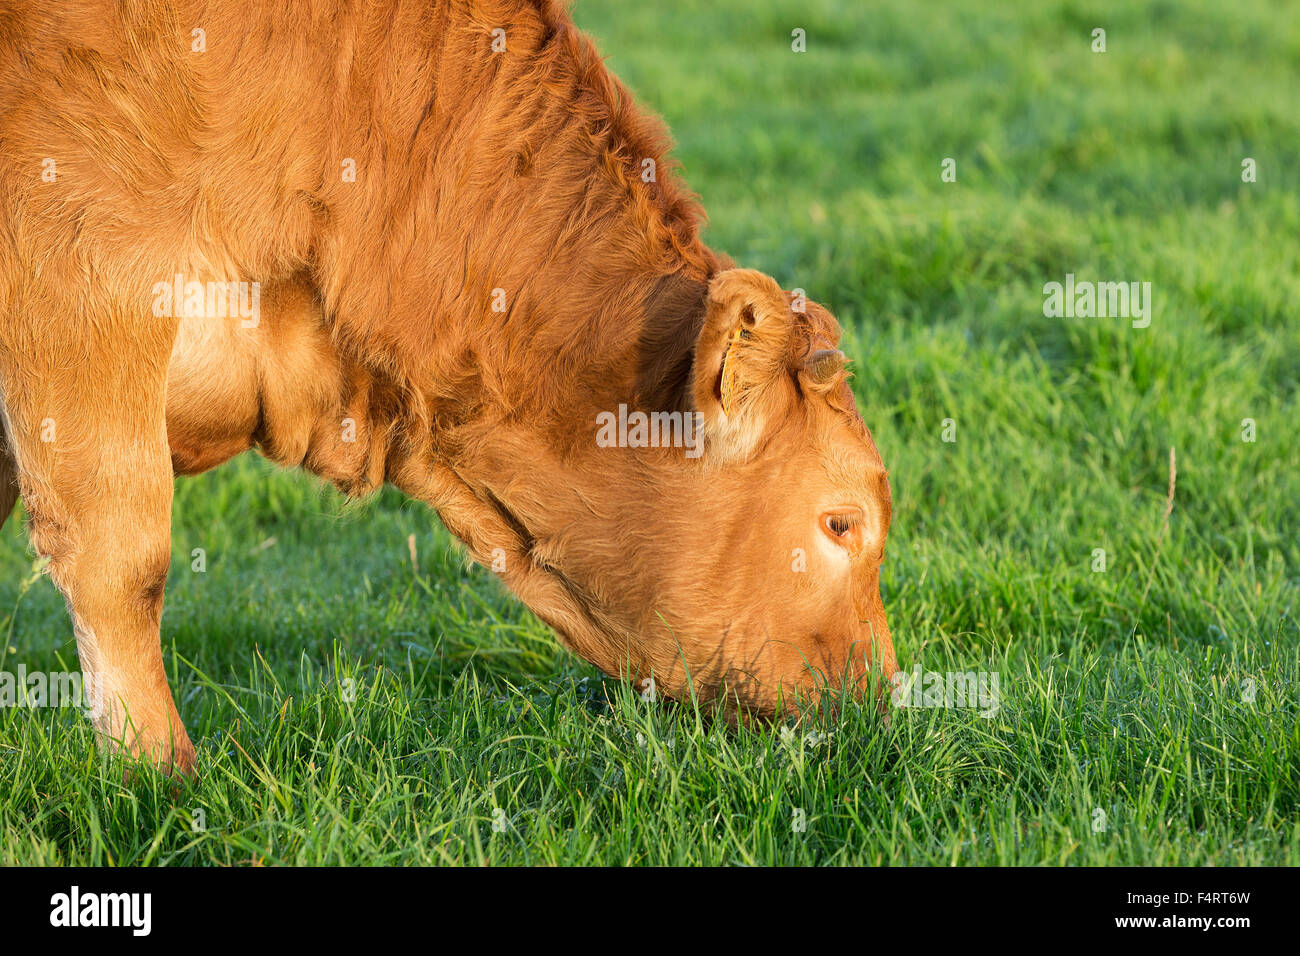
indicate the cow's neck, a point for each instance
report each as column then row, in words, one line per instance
column 516, row 251
column 500, row 392
column 511, row 237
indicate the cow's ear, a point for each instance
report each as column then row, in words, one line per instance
column 740, row 376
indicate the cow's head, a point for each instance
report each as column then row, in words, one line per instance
column 739, row 555
column 788, row 507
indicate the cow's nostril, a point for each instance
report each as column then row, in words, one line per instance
column 844, row 527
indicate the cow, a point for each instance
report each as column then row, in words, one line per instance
column 434, row 244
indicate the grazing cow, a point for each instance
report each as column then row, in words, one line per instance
column 433, row 244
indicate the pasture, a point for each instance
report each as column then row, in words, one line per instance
column 351, row 705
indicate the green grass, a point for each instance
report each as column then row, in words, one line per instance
column 1162, row 692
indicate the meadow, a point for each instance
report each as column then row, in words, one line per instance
column 352, row 705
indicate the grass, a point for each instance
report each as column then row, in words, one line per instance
column 353, row 708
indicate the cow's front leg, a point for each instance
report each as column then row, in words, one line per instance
column 84, row 402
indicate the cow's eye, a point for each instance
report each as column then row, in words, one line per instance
column 844, row 527
column 839, row 524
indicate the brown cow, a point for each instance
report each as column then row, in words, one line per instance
column 432, row 244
